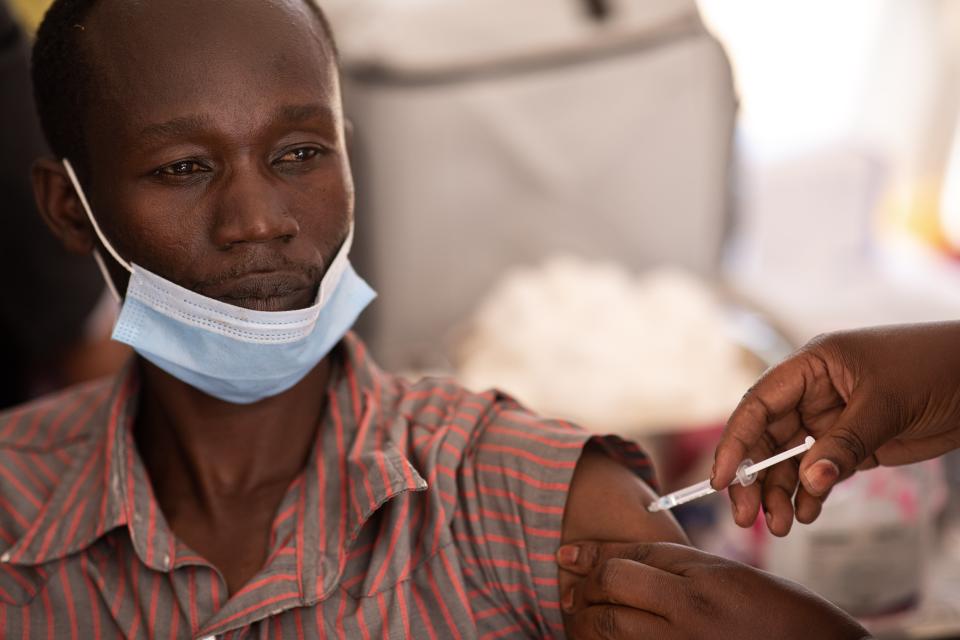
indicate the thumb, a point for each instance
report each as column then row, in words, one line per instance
column 859, row 431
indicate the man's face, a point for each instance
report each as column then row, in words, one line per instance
column 216, row 145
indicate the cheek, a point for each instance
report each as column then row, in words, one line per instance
column 162, row 230
column 329, row 187
column 323, row 206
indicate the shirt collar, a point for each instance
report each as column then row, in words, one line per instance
column 360, row 463
column 354, row 469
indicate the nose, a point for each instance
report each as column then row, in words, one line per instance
column 252, row 210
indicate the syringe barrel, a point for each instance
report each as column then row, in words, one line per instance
column 746, row 475
column 693, row 492
column 682, row 496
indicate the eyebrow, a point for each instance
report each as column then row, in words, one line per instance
column 177, row 128
column 295, row 113
column 187, row 126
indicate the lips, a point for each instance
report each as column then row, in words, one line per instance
column 264, row 291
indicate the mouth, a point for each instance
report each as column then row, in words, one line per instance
column 264, row 291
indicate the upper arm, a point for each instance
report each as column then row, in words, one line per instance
column 524, row 486
column 608, row 502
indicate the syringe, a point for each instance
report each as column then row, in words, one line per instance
column 746, row 475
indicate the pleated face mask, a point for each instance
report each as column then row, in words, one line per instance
column 229, row 352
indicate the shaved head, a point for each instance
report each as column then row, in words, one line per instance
column 209, row 140
column 65, row 70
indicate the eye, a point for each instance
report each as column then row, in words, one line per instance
column 182, row 168
column 300, row 154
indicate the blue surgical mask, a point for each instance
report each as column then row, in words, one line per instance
column 235, row 354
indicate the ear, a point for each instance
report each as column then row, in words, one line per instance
column 60, row 206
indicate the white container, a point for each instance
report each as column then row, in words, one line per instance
column 491, row 134
column 868, row 550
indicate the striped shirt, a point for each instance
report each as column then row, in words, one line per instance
column 424, row 511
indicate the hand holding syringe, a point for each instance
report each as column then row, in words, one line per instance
column 746, row 475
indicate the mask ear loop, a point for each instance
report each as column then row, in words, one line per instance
column 335, row 271
column 96, row 227
column 106, row 276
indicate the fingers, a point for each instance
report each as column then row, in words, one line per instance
column 778, row 489
column 774, row 491
column 862, row 428
column 620, row 597
column 610, row 622
column 777, row 393
column 779, row 492
column 746, row 501
column 583, row 557
column 808, row 507
column 626, row 583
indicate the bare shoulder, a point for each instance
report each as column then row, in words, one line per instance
column 608, row 502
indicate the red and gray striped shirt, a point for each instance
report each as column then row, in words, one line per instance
column 424, row 511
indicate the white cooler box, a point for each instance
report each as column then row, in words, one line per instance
column 491, row 133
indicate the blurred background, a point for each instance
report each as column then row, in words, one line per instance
column 623, row 211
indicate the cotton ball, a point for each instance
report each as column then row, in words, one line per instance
column 592, row 343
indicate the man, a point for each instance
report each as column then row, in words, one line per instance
column 252, row 474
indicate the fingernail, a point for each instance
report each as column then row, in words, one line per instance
column 769, row 518
column 713, row 472
column 567, row 602
column 821, row 475
column 567, row 555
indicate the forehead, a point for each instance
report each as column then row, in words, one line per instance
column 156, row 59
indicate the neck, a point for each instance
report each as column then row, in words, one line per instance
column 200, row 449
